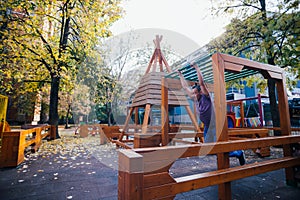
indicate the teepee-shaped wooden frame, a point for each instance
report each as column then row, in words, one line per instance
column 149, row 93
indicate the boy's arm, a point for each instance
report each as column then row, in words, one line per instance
column 185, row 85
column 200, row 79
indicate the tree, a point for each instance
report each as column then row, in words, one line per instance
column 51, row 39
column 263, row 31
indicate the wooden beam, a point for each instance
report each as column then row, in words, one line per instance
column 125, row 128
column 251, row 64
column 220, row 105
column 150, row 63
column 146, row 118
column 285, row 125
column 218, row 147
column 164, row 112
column 166, row 64
column 130, row 175
column 221, row 119
column 197, row 181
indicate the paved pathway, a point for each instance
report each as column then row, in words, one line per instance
column 80, row 168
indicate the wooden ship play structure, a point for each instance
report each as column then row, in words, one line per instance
column 144, row 168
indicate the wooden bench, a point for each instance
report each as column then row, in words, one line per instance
column 144, row 172
column 88, row 129
column 109, row 133
column 14, row 143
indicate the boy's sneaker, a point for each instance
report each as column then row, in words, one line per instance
column 242, row 158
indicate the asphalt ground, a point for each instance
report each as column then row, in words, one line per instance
column 81, row 168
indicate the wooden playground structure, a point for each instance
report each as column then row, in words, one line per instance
column 148, row 97
column 144, row 172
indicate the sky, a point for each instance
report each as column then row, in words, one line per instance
column 190, row 18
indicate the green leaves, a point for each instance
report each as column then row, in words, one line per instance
column 266, row 32
column 51, row 40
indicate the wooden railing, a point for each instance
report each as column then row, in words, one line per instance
column 14, row 143
column 144, row 172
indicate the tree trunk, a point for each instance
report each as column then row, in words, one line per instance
column 273, row 97
column 271, row 82
column 108, row 114
column 67, row 116
column 273, row 105
column 53, row 113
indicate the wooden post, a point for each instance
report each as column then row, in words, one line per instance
column 103, row 138
column 130, row 180
column 221, row 119
column 83, row 131
column 260, row 110
column 164, row 113
column 136, row 116
column 10, row 149
column 125, row 128
column 146, row 118
column 37, row 138
column 242, row 113
column 285, row 125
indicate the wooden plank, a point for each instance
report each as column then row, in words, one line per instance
column 167, row 154
column 246, row 131
column 250, row 64
column 157, row 91
column 151, row 82
column 158, row 102
column 148, row 87
column 178, row 135
column 197, row 181
column 183, row 141
column 142, row 141
column 157, row 179
column 173, row 83
column 123, row 143
column 9, row 149
column 158, row 97
column 149, row 91
column 233, row 67
column 275, row 75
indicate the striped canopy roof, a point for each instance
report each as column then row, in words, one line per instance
column 204, row 62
